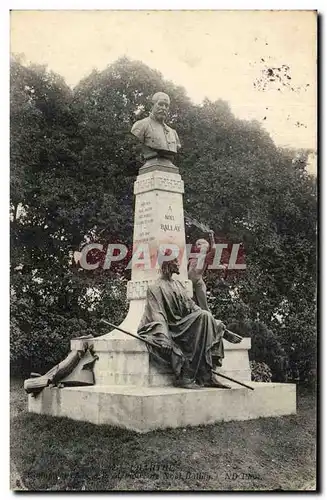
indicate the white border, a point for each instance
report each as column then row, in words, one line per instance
column 4, row 200
column 164, row 5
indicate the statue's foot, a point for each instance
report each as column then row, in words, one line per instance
column 217, row 384
column 187, row 384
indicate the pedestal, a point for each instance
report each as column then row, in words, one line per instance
column 144, row 409
column 158, row 223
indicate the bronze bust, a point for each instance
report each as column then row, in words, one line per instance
column 157, row 138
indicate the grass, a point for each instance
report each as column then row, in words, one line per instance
column 263, row 454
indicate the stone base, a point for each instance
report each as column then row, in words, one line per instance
column 158, row 164
column 125, row 361
column 144, row 409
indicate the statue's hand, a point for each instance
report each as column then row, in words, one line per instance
column 166, row 349
column 211, row 237
column 220, row 324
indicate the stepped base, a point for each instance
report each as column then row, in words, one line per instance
column 144, row 409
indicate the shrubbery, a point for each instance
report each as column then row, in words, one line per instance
column 265, row 347
column 40, row 336
column 260, row 372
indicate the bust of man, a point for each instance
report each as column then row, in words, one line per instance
column 157, row 138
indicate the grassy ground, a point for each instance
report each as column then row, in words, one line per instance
column 265, row 454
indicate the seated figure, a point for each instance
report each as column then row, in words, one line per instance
column 187, row 337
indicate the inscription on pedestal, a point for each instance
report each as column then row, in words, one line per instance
column 169, row 223
column 172, row 221
column 158, row 181
column 158, row 226
column 143, row 222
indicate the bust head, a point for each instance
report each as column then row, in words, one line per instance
column 158, row 139
column 160, row 108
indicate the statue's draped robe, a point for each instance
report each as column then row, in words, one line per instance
column 172, row 319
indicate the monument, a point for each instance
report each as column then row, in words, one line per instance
column 130, row 391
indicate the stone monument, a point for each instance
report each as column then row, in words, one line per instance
column 129, row 391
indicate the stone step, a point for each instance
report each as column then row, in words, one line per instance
column 144, row 409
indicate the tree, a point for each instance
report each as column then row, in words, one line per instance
column 73, row 163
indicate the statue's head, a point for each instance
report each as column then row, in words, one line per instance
column 202, row 244
column 160, row 108
column 169, row 267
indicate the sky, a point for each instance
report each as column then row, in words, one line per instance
column 215, row 54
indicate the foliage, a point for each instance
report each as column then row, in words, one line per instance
column 40, row 332
column 299, row 336
column 260, row 372
column 266, row 347
column 73, row 163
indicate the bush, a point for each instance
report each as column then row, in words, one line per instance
column 266, row 347
column 40, row 334
column 299, row 338
column 42, row 339
column 260, row 372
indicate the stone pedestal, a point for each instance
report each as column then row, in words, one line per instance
column 130, row 391
column 144, row 409
column 126, row 362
